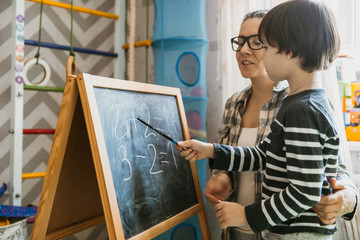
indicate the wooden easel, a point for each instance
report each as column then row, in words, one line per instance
column 78, row 191
column 62, row 201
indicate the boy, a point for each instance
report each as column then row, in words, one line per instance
column 300, row 153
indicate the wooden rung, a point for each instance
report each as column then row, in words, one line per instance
column 38, row 131
column 78, row 9
column 43, row 88
column 143, row 43
column 33, row 175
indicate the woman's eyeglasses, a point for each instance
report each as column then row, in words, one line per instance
column 253, row 42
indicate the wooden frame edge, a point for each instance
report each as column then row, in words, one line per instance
column 105, row 181
column 67, row 231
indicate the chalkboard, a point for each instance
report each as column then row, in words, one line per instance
column 107, row 166
column 152, row 182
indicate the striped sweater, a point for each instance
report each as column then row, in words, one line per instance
column 298, row 157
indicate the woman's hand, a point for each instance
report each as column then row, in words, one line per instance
column 332, row 206
column 217, row 188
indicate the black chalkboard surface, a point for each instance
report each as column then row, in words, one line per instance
column 152, row 182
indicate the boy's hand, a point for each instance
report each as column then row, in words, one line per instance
column 218, row 188
column 193, row 150
column 230, row 214
column 332, row 206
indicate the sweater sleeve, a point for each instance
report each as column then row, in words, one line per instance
column 231, row 158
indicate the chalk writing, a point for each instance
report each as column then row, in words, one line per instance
column 127, row 161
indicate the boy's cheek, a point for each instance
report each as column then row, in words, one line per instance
column 263, row 56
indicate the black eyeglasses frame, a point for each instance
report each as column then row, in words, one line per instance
column 246, row 39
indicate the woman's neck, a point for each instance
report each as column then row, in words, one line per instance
column 262, row 88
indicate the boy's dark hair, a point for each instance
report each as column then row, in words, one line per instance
column 305, row 28
column 254, row 14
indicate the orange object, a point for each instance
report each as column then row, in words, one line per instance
column 4, row 222
column 33, row 175
column 355, row 116
column 346, row 104
column 77, row 8
column 353, row 132
column 143, row 43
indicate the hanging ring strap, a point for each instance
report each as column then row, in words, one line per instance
column 37, row 60
column 72, row 53
column 39, row 38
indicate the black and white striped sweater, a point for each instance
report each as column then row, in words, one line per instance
column 298, row 156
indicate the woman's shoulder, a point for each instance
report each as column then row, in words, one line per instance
column 239, row 96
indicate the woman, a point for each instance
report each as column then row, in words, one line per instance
column 246, row 121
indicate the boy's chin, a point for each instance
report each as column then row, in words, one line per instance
column 275, row 79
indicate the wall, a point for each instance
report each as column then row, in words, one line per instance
column 41, row 109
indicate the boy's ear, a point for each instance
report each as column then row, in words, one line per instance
column 289, row 55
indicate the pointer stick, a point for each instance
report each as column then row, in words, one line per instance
column 159, row 132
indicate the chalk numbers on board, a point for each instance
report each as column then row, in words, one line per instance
column 127, row 162
column 155, row 158
column 147, row 114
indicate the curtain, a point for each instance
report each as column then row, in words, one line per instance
column 329, row 83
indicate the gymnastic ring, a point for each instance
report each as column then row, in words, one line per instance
column 45, row 66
